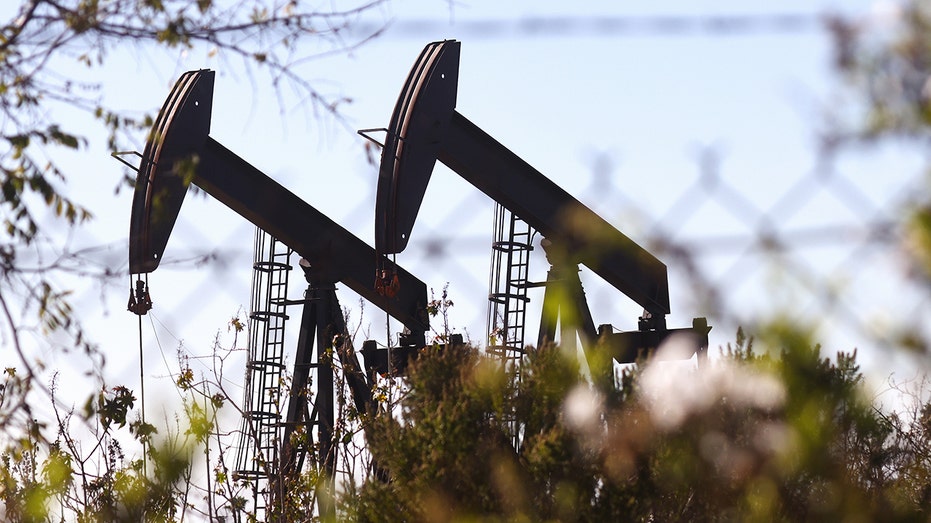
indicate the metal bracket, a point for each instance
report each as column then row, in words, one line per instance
column 119, row 157
column 651, row 322
column 140, row 302
column 365, row 134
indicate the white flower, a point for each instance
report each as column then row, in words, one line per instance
column 673, row 390
column 583, row 408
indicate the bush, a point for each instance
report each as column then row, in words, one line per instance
column 781, row 436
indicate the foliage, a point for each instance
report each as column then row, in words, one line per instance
column 749, row 437
column 440, row 307
column 83, row 474
column 67, row 478
column 886, row 66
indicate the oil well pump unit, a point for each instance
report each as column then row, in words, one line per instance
column 424, row 127
column 180, row 152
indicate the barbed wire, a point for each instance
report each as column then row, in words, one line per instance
column 606, row 26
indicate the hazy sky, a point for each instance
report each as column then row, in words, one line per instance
column 616, row 103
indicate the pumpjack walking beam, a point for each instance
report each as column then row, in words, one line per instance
column 180, row 152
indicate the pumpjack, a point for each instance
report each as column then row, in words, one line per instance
column 425, row 127
column 179, row 152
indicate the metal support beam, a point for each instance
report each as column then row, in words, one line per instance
column 316, row 332
column 334, row 253
column 564, row 304
column 590, row 240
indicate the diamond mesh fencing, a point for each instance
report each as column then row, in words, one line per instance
column 824, row 248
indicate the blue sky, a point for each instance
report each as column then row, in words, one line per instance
column 619, row 120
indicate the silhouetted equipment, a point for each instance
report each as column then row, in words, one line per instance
column 139, row 300
column 377, row 360
column 179, row 152
column 426, row 127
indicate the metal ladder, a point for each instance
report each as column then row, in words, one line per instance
column 507, row 298
column 260, row 437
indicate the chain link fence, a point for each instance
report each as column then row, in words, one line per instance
column 824, row 248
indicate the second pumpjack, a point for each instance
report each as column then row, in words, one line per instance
column 425, row 127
